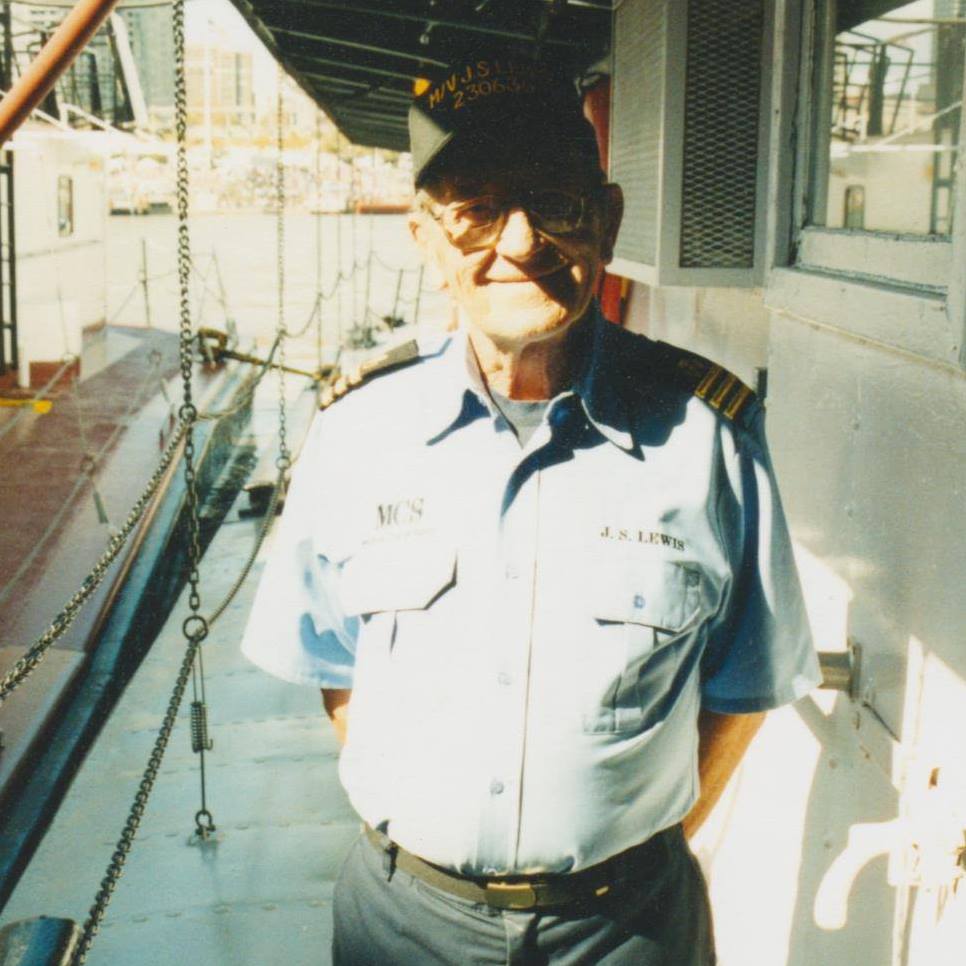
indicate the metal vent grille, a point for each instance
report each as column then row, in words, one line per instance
column 721, row 129
column 637, row 110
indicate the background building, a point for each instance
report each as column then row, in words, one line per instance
column 221, row 104
column 152, row 44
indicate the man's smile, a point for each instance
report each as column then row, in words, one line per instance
column 504, row 270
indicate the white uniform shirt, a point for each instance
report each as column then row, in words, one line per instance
column 530, row 632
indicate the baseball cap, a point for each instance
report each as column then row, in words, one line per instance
column 499, row 102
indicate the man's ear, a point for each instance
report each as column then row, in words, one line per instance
column 613, row 213
column 415, row 223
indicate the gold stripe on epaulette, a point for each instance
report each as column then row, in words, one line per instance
column 404, row 352
column 737, row 404
column 722, row 391
column 707, row 383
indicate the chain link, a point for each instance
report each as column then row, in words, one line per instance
column 203, row 818
column 195, row 627
column 35, row 654
column 188, row 411
column 188, row 416
column 116, row 866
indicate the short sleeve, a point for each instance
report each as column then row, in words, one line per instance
column 759, row 652
column 296, row 629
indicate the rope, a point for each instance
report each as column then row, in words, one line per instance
column 89, row 461
column 220, row 296
column 203, row 295
column 123, row 305
column 253, row 556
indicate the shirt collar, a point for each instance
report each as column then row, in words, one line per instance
column 461, row 396
column 602, row 383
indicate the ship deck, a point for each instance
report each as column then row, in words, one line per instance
column 259, row 890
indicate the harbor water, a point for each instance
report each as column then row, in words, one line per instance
column 236, row 259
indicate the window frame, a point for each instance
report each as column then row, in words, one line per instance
column 928, row 266
column 844, row 249
column 66, row 213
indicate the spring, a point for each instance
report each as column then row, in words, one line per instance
column 199, row 727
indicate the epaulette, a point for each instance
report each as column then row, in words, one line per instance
column 722, row 390
column 395, row 358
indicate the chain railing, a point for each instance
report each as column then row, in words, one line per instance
column 195, row 627
column 85, row 477
column 284, row 459
column 35, row 653
column 187, row 417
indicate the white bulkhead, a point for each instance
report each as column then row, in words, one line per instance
column 60, row 205
column 835, row 265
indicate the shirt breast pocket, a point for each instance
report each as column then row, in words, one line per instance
column 396, row 584
column 642, row 612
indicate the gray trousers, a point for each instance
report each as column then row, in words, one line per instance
column 384, row 917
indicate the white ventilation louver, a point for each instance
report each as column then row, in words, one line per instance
column 688, row 124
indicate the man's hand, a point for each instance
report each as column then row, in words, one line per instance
column 722, row 742
column 336, row 704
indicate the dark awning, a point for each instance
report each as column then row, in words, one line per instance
column 357, row 61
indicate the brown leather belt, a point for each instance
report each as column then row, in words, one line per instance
column 543, row 891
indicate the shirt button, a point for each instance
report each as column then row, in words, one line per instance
column 504, row 678
column 563, row 413
column 496, row 788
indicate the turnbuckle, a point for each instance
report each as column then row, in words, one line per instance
column 213, row 344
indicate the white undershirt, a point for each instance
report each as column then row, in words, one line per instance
column 524, row 416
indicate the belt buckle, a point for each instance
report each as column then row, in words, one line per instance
column 510, row 895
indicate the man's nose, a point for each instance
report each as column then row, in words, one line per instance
column 518, row 238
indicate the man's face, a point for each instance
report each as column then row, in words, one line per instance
column 530, row 275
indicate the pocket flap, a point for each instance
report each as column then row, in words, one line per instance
column 657, row 593
column 396, row 575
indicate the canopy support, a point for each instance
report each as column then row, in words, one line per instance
column 55, row 57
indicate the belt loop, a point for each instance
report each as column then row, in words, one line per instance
column 389, row 860
column 385, row 845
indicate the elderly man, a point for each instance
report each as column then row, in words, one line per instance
column 540, row 572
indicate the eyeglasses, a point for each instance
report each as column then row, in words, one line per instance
column 478, row 222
